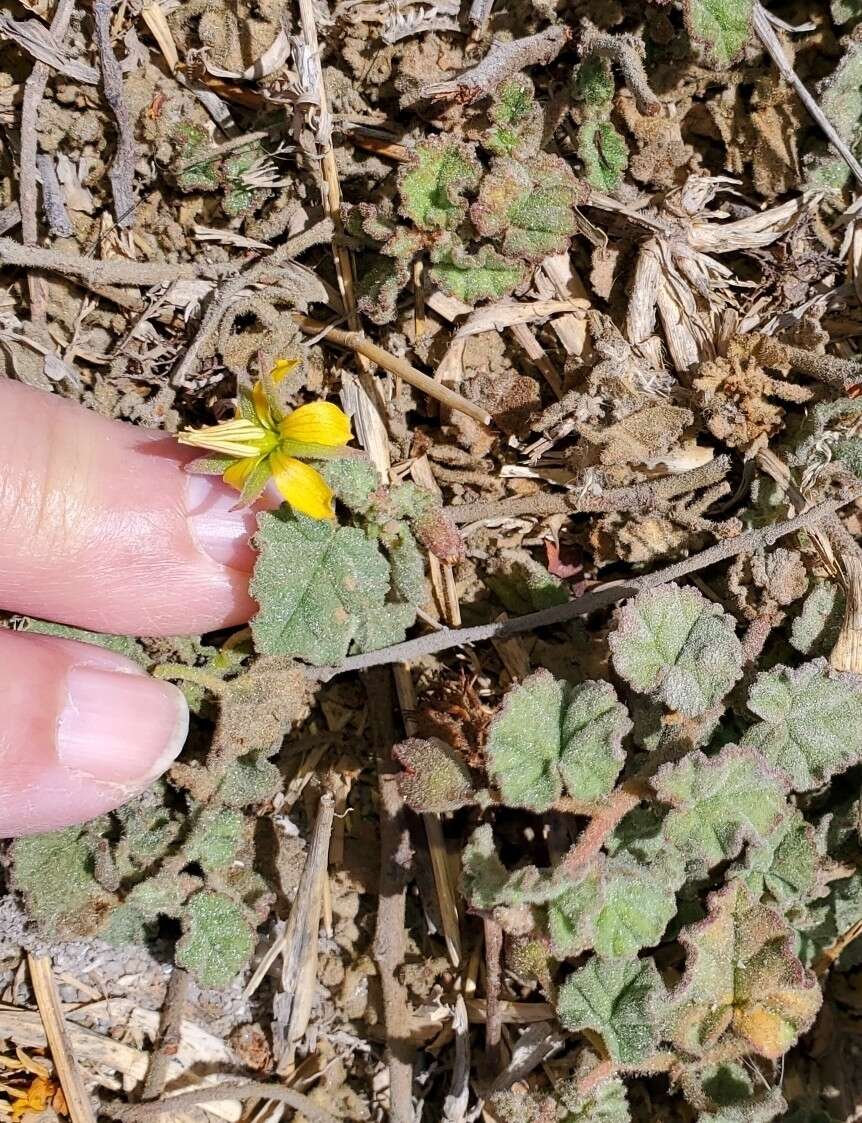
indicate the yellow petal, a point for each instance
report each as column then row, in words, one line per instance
column 237, row 474
column 302, row 486
column 283, row 367
column 319, row 423
column 261, row 406
column 238, row 437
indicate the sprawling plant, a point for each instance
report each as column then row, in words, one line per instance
column 704, row 887
column 185, row 849
column 477, row 214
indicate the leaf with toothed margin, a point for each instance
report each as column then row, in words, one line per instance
column 604, row 154
column 816, row 628
column 718, row 803
column 550, row 735
column 435, row 777
column 432, row 184
column 727, row 1092
column 722, row 26
column 529, row 208
column 320, row 587
column 742, row 982
column 786, row 867
column 617, row 907
column 470, row 277
column 621, row 1000
column 673, row 643
column 217, row 942
column 517, row 120
column 811, row 724
column 379, row 287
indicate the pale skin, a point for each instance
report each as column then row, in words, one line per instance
column 100, row 528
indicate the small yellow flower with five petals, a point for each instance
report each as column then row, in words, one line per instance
column 263, row 443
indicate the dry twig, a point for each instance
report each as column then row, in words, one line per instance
column 390, row 934
column 122, row 170
column 170, row 1033
column 143, row 1113
column 356, row 341
column 501, row 62
column 34, row 90
column 600, row 597
column 65, row 1061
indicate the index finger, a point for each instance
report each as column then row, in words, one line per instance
column 102, row 528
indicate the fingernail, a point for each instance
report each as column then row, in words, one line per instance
column 120, row 728
column 220, row 532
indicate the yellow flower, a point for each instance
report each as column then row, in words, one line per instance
column 33, row 1099
column 262, row 443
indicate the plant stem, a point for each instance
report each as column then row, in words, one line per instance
column 600, row 597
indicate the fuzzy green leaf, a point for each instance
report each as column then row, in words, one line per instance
column 785, row 866
column 529, row 208
column 122, row 645
column 728, row 1093
column 723, row 26
column 549, row 735
column 484, row 275
column 523, row 584
column 487, row 883
column 824, row 921
column 594, row 83
column 811, row 724
column 435, row 778
column 353, row 482
column 816, row 628
column 217, row 940
column 605, row 1102
column 718, row 804
column 617, row 908
column 216, row 838
column 162, row 895
column 379, row 287
column 673, row 643
column 518, row 120
column 55, row 873
column 249, row 779
column 319, row 587
column 620, row 1000
column 433, row 183
column 841, row 102
column 742, row 981
column 604, row 154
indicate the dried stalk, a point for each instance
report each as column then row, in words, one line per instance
column 648, row 496
column 839, row 373
column 170, row 1033
column 331, row 197
column 390, row 934
column 34, row 90
column 143, row 1113
column 65, row 1061
column 300, row 940
column 764, row 30
column 847, row 653
column 446, row 897
column 53, row 203
column 600, row 597
column 501, row 62
column 493, row 1017
column 355, row 341
column 115, row 272
column 122, row 171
